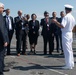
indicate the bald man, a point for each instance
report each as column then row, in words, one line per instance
column 20, row 33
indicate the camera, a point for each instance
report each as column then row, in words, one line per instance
column 4, row 10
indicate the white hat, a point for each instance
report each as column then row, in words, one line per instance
column 68, row 6
column 1, row 4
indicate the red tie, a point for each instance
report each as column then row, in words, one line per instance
column 47, row 21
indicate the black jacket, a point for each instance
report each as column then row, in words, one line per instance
column 33, row 28
column 59, row 29
column 56, row 28
column 44, row 27
column 18, row 24
column 12, row 22
column 3, row 32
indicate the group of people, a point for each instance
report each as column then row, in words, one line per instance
column 60, row 28
column 23, row 27
column 50, row 31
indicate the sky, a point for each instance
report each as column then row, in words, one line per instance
column 38, row 6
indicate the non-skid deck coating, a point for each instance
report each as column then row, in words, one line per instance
column 38, row 64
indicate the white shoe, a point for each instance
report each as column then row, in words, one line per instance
column 67, row 68
column 73, row 65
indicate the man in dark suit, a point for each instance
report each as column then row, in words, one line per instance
column 60, row 32
column 20, row 24
column 3, row 39
column 56, row 31
column 47, row 32
column 10, row 28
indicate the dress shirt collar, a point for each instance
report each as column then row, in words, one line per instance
column 7, row 16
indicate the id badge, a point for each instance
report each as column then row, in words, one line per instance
column 47, row 25
column 32, row 27
column 22, row 23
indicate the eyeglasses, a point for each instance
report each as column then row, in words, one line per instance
column 46, row 15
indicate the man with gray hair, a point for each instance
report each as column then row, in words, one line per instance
column 20, row 24
column 3, row 39
column 9, row 23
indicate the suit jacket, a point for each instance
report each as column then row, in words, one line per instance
column 33, row 28
column 12, row 23
column 18, row 24
column 60, row 20
column 44, row 27
column 56, row 28
column 3, row 32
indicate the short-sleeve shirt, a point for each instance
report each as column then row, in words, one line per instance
column 68, row 23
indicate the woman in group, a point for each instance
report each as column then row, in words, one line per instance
column 33, row 33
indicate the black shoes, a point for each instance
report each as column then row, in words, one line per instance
column 6, row 69
column 1, row 74
column 31, row 52
column 62, row 53
column 8, row 54
column 57, row 51
column 24, row 53
column 34, row 52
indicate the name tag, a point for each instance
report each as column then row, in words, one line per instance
column 22, row 23
column 32, row 27
column 47, row 25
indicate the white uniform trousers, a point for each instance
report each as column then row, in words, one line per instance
column 67, row 48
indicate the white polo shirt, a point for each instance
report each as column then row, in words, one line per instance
column 68, row 23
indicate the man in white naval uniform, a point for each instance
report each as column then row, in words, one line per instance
column 67, row 25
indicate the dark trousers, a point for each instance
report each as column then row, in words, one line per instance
column 10, row 35
column 60, row 41
column 50, row 40
column 21, row 41
column 57, row 42
column 2, row 52
column 26, row 41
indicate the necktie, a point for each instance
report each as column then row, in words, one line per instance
column 47, row 22
column 9, row 23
